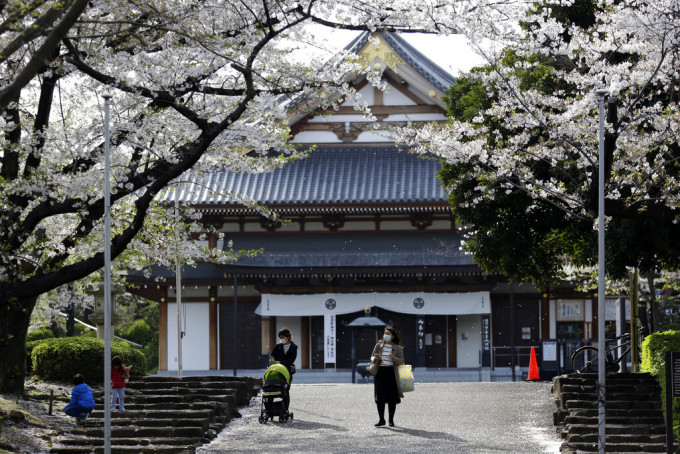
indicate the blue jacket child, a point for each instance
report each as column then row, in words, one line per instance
column 82, row 400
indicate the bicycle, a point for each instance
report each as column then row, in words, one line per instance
column 586, row 359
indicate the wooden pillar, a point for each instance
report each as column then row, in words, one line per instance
column 453, row 341
column 265, row 335
column 594, row 333
column 304, row 342
column 212, row 327
column 163, row 330
column 545, row 316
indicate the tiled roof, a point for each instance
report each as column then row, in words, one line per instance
column 431, row 71
column 356, row 175
column 341, row 253
column 374, row 249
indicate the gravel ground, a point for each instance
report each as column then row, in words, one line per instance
column 465, row 418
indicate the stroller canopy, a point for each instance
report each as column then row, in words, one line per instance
column 277, row 372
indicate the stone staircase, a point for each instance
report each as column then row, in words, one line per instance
column 163, row 415
column 634, row 421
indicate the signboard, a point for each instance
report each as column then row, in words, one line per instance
column 526, row 332
column 486, row 341
column 420, row 335
column 673, row 389
column 611, row 309
column 549, row 351
column 569, row 310
column 329, row 338
column 675, row 367
column 420, row 342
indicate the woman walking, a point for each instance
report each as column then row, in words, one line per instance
column 390, row 355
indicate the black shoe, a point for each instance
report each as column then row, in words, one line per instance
column 380, row 423
column 391, row 423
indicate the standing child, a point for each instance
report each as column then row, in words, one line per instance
column 119, row 376
column 82, row 400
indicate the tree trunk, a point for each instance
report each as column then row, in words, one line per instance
column 653, row 304
column 15, row 316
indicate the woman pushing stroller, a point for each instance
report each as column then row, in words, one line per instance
column 285, row 353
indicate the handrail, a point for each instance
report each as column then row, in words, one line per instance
column 136, row 345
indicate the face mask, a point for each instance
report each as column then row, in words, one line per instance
column 387, row 337
column 282, row 341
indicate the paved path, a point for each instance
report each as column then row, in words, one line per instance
column 465, row 418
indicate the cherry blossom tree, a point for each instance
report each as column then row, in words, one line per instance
column 521, row 149
column 196, row 85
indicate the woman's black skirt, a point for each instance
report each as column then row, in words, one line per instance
column 385, row 386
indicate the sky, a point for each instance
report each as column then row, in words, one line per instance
column 452, row 53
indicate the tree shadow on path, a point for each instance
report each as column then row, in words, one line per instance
column 298, row 424
column 429, row 435
column 456, row 445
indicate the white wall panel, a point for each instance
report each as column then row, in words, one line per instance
column 469, row 342
column 195, row 345
column 316, row 137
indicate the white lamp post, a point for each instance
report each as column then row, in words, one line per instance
column 601, row 95
column 178, row 285
column 107, row 280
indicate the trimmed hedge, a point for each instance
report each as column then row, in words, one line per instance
column 60, row 359
column 39, row 334
column 654, row 349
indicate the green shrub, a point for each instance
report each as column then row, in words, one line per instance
column 29, row 350
column 38, row 334
column 653, row 359
column 60, row 359
column 150, row 350
column 140, row 332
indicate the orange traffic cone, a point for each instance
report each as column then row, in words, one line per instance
column 533, row 366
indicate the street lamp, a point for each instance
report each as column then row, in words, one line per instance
column 601, row 95
column 107, row 279
column 178, row 284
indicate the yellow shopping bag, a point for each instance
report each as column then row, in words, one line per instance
column 406, row 378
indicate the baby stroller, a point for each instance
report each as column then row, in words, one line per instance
column 275, row 394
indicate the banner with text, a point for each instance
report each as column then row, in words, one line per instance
column 329, row 338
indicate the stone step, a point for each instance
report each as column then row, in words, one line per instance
column 94, row 441
column 644, row 429
column 206, row 378
column 125, row 450
column 143, row 432
column 593, row 420
column 646, row 448
column 188, row 385
column 163, row 415
column 148, row 422
column 157, row 414
column 241, row 397
column 628, row 378
column 616, row 405
column 617, row 388
column 632, row 440
column 634, row 413
column 611, row 397
column 184, row 391
column 177, row 406
column 231, row 399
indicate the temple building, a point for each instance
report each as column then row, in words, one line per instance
column 369, row 228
